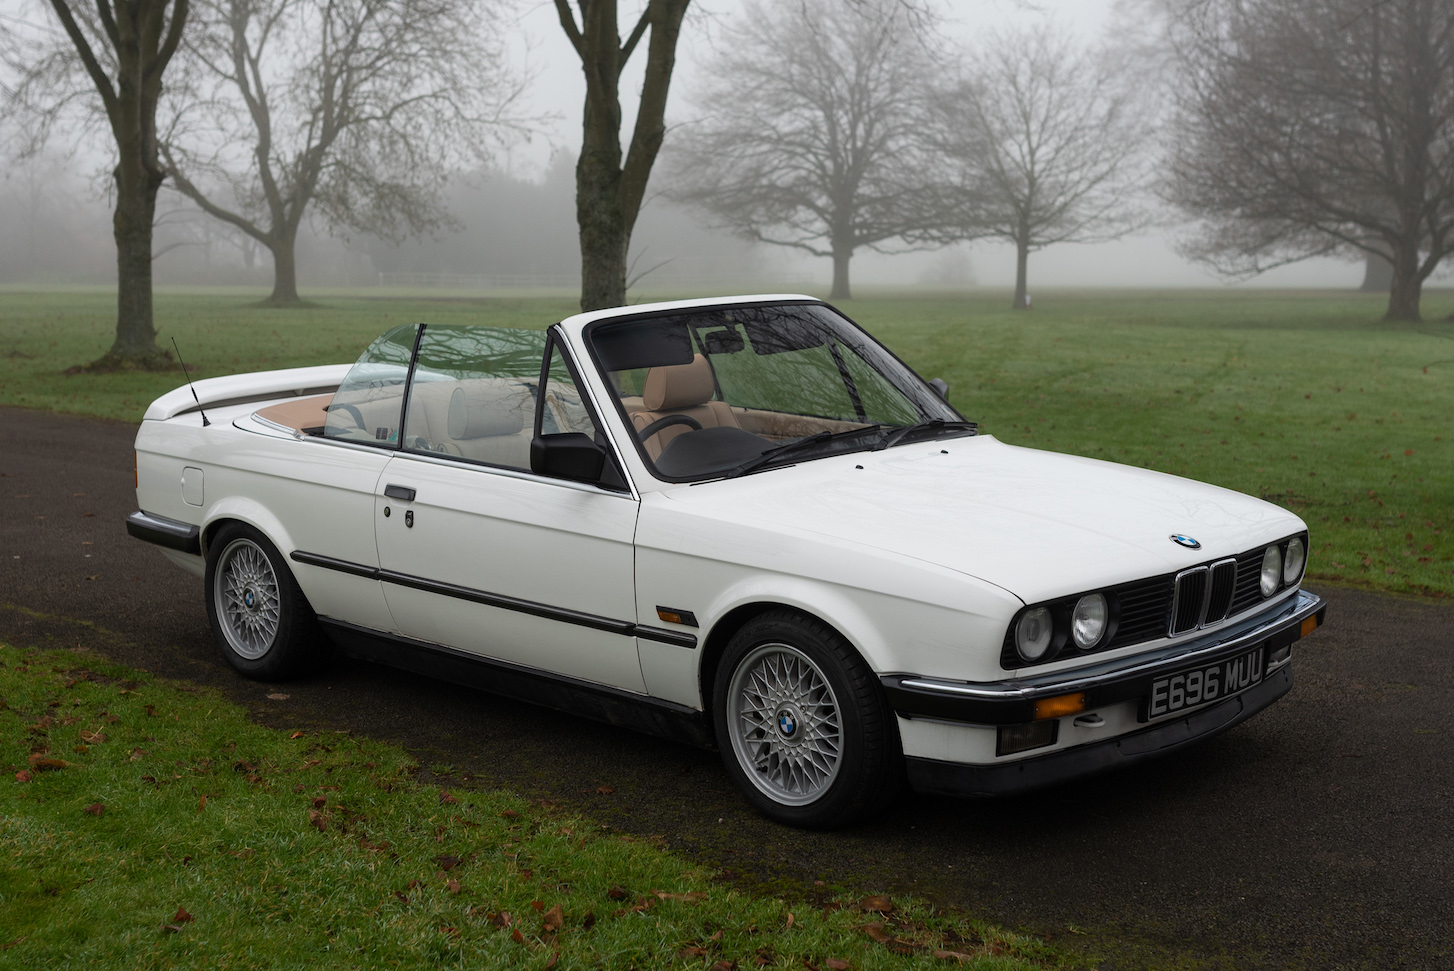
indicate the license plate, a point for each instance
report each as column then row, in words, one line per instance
column 1187, row 689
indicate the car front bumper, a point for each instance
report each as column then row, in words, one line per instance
column 942, row 710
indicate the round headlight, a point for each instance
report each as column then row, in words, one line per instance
column 1032, row 634
column 1088, row 622
column 1271, row 570
column 1297, row 558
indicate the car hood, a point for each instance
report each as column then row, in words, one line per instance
column 1038, row 524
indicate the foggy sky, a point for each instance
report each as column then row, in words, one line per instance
column 74, row 241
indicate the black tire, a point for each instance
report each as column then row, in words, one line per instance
column 263, row 624
column 821, row 749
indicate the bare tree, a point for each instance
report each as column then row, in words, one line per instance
column 608, row 191
column 1310, row 127
column 117, row 50
column 1044, row 140
column 353, row 109
column 810, row 130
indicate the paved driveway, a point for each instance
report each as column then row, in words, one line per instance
column 1320, row 834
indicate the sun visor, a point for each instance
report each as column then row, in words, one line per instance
column 642, row 344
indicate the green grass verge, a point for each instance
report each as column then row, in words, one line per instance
column 1302, row 397
column 180, row 835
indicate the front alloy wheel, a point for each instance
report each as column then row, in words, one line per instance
column 784, row 724
column 246, row 589
column 802, row 722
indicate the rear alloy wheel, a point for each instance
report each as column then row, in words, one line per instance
column 803, row 725
column 262, row 622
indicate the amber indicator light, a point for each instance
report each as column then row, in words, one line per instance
column 1310, row 624
column 669, row 616
column 1059, row 705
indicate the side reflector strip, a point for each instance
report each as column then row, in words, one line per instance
column 1310, row 624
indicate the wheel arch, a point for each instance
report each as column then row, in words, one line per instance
column 722, row 631
column 249, row 513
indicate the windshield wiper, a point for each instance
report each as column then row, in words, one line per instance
column 802, row 443
column 937, row 424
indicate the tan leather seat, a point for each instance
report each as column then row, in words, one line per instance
column 680, row 389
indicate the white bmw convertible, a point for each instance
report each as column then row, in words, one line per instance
column 738, row 522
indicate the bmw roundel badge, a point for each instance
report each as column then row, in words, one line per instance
column 786, row 724
column 1186, row 541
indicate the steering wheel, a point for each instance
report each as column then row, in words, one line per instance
column 669, row 420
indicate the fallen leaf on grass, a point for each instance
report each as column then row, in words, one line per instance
column 617, row 893
column 182, row 916
column 694, row 896
column 692, row 952
column 95, row 809
column 588, row 921
column 959, row 956
column 92, row 738
column 836, row 964
column 202, row 803
column 452, row 886
column 879, row 903
column 517, row 937
column 296, row 735
column 789, row 922
column 876, row 931
column 41, row 763
column 445, row 797
column 278, row 696
column 724, row 966
column 554, row 956
column 447, row 863
column 509, row 814
column 22, row 776
column 553, row 920
column 9, row 944
column 136, row 754
column 604, row 790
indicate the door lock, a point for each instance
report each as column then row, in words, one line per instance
column 409, row 518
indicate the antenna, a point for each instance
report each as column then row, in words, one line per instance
column 205, row 422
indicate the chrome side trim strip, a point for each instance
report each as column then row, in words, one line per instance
column 565, row 615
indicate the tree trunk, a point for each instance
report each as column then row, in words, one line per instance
column 136, row 196
column 285, row 272
column 1377, row 274
column 840, row 275
column 1022, row 265
column 1407, row 286
column 598, row 171
column 603, row 231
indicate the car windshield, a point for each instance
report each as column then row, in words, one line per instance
column 723, row 391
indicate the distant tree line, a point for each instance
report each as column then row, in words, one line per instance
column 1293, row 128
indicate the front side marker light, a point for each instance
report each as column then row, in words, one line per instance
column 1271, row 570
column 1088, row 622
column 1297, row 558
column 1059, row 705
column 1032, row 633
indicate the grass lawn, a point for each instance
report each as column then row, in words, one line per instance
column 148, row 825
column 1301, row 397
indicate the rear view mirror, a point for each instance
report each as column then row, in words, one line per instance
column 941, row 387
column 569, row 455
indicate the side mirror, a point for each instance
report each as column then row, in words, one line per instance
column 569, row 455
column 941, row 387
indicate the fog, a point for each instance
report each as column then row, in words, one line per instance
column 516, row 223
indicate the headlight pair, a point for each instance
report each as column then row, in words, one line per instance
column 1283, row 565
column 1084, row 625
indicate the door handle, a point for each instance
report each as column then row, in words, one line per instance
column 399, row 492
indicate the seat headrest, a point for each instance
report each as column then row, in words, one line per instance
column 678, row 386
column 482, row 409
